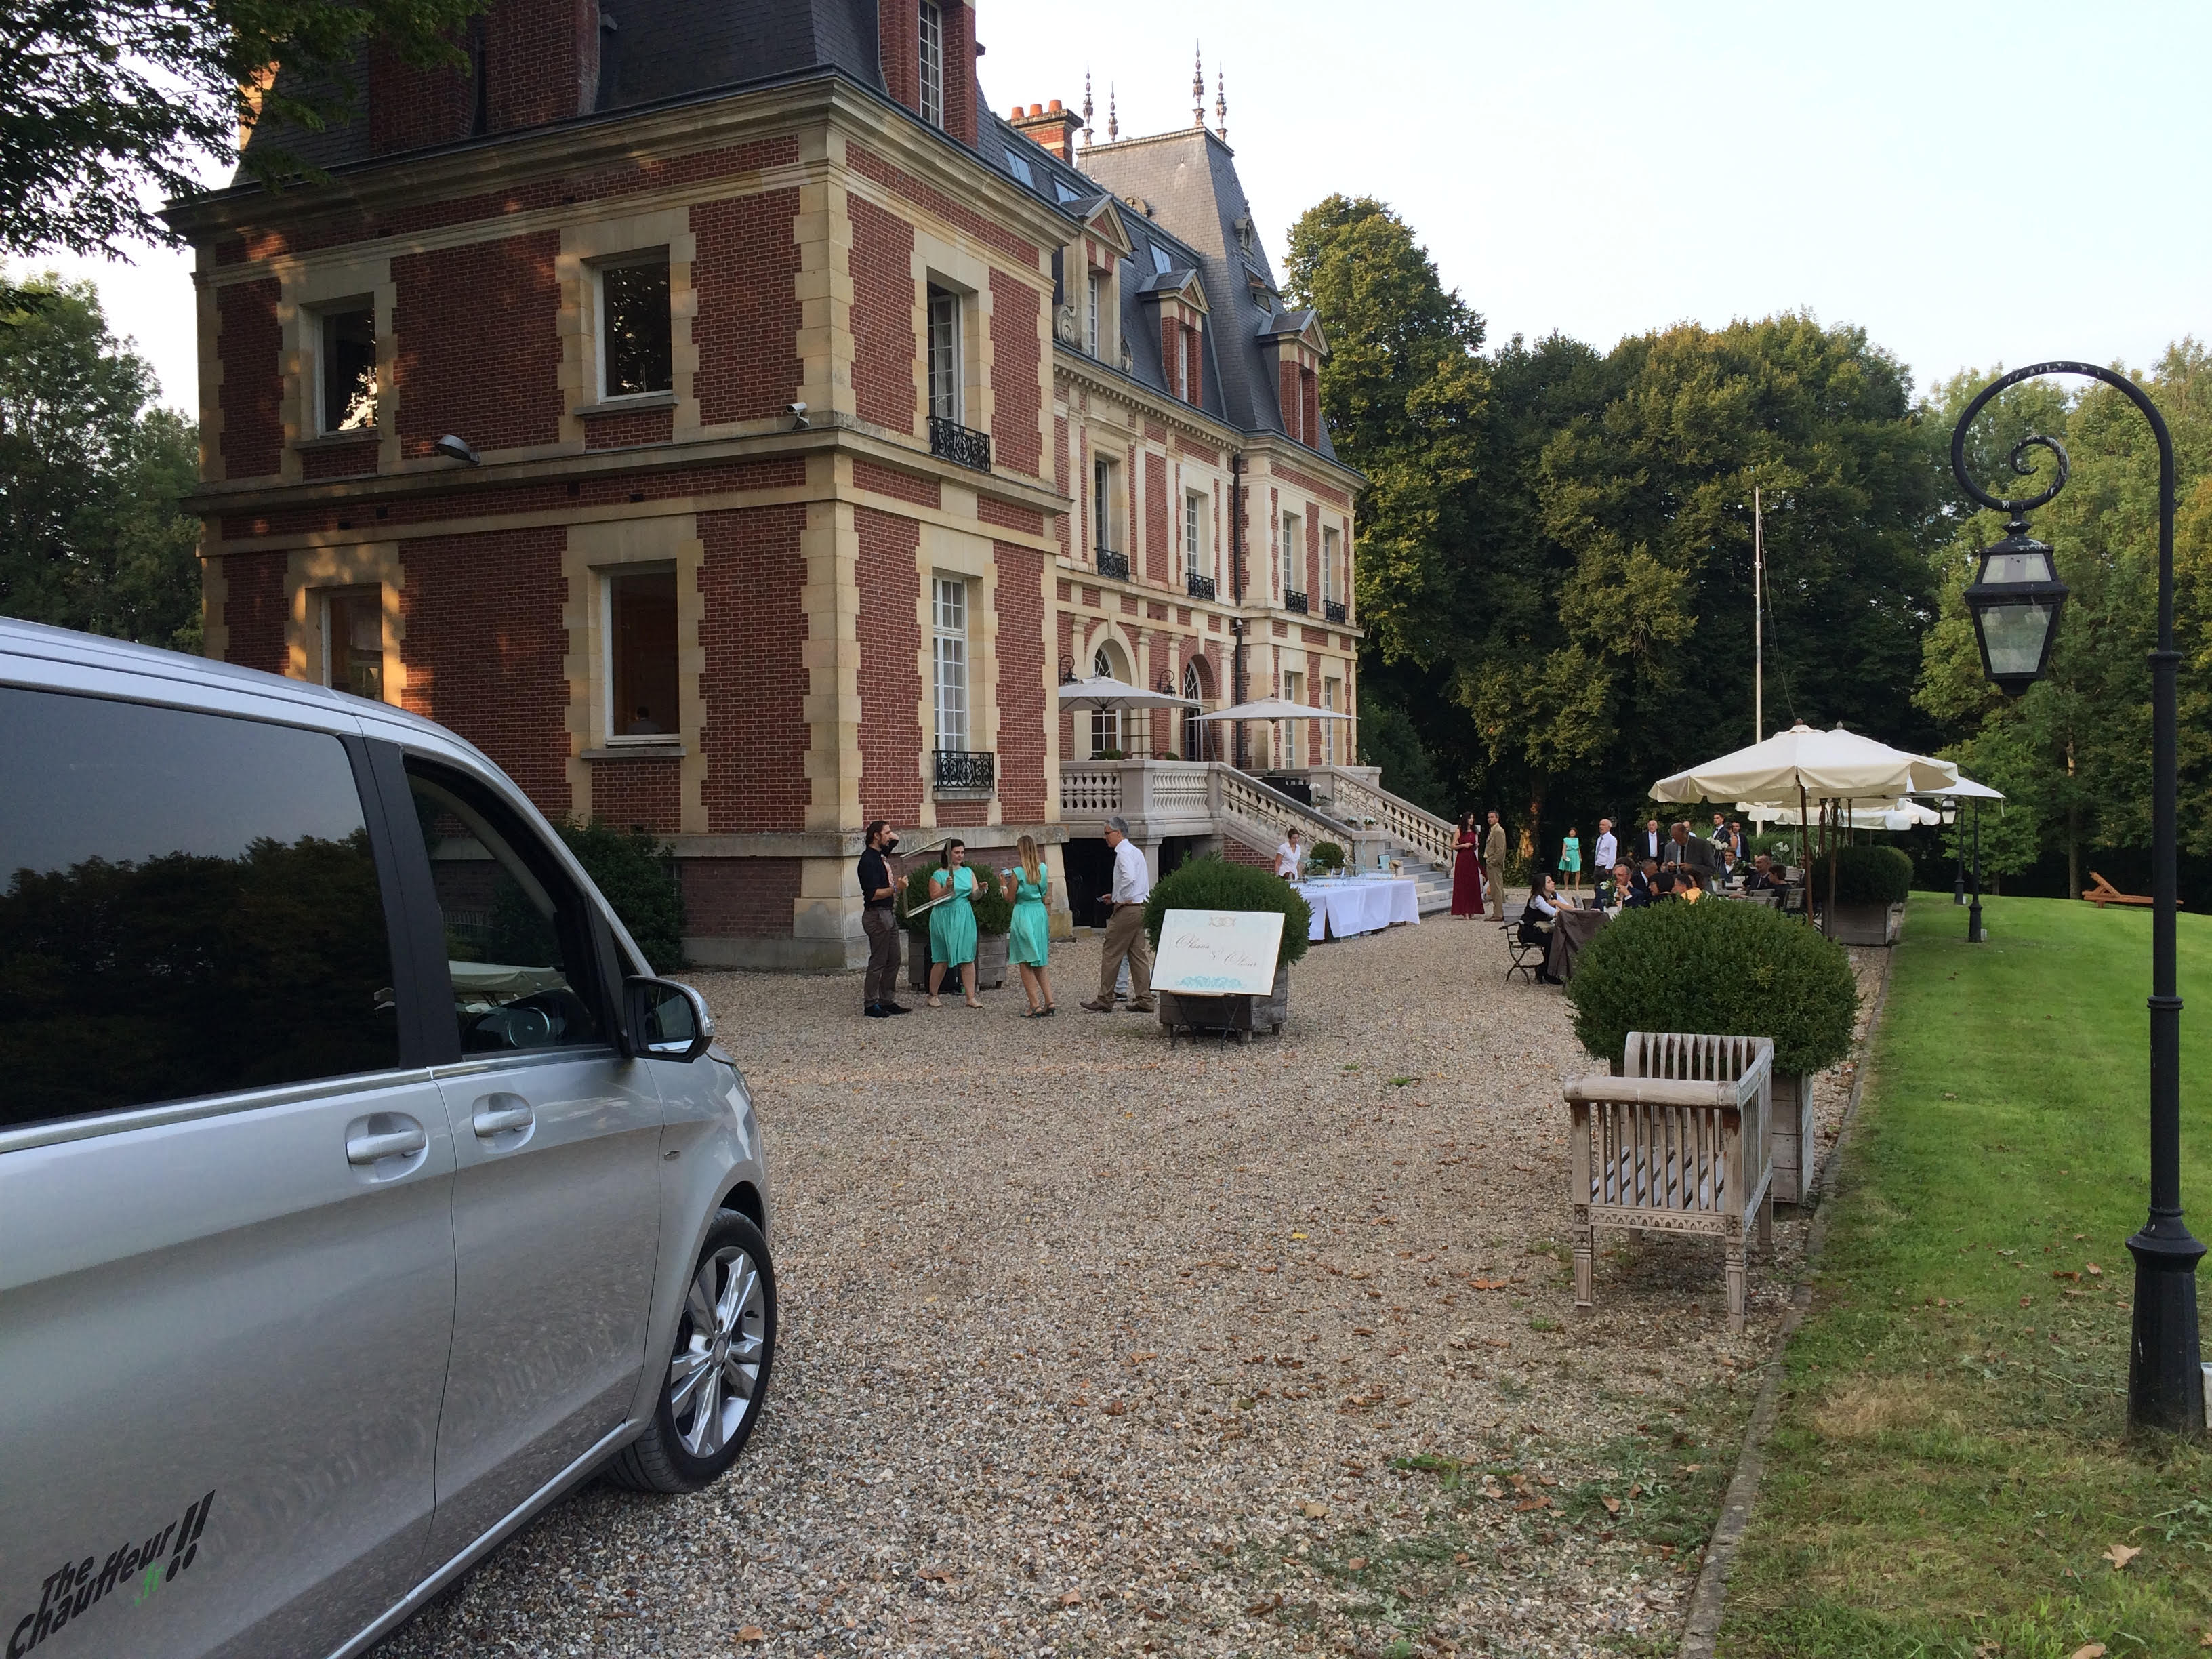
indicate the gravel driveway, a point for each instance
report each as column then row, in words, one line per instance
column 1092, row 1347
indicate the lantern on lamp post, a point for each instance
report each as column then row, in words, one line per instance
column 2016, row 599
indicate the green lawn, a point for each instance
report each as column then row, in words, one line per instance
column 1950, row 1471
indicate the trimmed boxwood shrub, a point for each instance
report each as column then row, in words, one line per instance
column 631, row 868
column 1865, row 875
column 993, row 912
column 1729, row 969
column 1328, row 856
column 1218, row 884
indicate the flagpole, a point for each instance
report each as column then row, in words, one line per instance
column 1757, row 621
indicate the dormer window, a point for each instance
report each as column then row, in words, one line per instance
column 932, row 62
column 1161, row 263
column 1090, row 319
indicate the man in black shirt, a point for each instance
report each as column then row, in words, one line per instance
column 879, row 920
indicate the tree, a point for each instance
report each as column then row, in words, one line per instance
column 93, row 472
column 103, row 100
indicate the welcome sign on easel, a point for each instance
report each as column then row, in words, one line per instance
column 1216, row 953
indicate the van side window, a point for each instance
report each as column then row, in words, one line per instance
column 188, row 905
column 518, row 934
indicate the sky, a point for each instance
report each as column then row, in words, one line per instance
column 1972, row 183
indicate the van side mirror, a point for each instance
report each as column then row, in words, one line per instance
column 667, row 1021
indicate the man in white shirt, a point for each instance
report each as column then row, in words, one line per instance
column 1607, row 851
column 1288, row 856
column 1125, row 926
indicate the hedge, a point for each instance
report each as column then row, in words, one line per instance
column 630, row 867
column 1217, row 885
column 1727, row 968
column 1865, row 875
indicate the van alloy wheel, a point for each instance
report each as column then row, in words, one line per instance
column 714, row 1378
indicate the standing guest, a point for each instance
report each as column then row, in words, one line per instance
column 1607, row 850
column 1654, row 844
column 1290, row 857
column 1571, row 859
column 1689, row 852
column 1493, row 866
column 1028, row 945
column 952, row 924
column 879, row 921
column 1467, row 870
column 1736, row 842
column 1125, row 927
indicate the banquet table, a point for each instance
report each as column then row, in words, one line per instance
column 1570, row 931
column 1360, row 904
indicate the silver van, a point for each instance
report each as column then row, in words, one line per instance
column 360, row 1189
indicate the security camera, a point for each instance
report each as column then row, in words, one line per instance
column 455, row 448
column 798, row 416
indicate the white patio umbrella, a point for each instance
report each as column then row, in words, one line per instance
column 1808, row 764
column 1966, row 789
column 1889, row 815
column 1103, row 691
column 1275, row 709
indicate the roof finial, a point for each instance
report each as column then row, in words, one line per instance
column 1198, row 89
column 1086, row 107
column 1220, row 104
column 1113, row 122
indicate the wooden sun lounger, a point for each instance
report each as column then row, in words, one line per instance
column 2104, row 893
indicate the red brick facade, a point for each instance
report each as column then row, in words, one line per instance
column 1022, row 718
column 638, row 794
column 750, row 898
column 745, row 276
column 892, row 738
column 623, row 428
column 755, row 642
column 883, row 345
column 498, row 387
column 252, row 392
column 1018, row 350
column 253, row 611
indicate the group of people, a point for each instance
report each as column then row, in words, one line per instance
column 1027, row 886
column 1656, row 864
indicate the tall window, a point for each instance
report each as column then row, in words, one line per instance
column 945, row 377
column 1097, row 299
column 1329, row 566
column 1193, row 732
column 1294, row 690
column 1195, row 551
column 346, row 356
column 353, row 642
column 1291, row 527
column 949, row 626
column 1105, row 498
column 1332, row 692
column 635, row 350
column 1105, row 723
column 642, row 650
column 932, row 63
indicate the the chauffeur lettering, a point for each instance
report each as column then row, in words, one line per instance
column 74, row 1587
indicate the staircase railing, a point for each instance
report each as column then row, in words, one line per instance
column 1433, row 837
column 1239, row 795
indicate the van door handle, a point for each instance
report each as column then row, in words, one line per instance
column 489, row 1120
column 375, row 1146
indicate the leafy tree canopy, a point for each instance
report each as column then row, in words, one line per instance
column 106, row 104
column 92, row 473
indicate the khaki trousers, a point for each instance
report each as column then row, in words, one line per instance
column 1494, row 877
column 1124, row 937
column 880, row 984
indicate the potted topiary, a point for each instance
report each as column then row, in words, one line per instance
column 1731, row 971
column 1328, row 856
column 1871, row 885
column 994, row 919
column 1213, row 883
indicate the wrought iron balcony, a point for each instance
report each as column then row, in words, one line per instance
column 1202, row 587
column 975, row 769
column 1294, row 600
column 1332, row 610
column 959, row 446
column 1112, row 564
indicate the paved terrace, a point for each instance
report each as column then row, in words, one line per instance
column 1093, row 1348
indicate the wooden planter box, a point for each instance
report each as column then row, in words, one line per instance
column 1242, row 1015
column 990, row 962
column 1796, row 1147
column 1866, row 924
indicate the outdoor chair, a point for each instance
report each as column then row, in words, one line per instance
column 1527, row 959
column 1678, row 1143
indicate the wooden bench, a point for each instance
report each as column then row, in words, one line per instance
column 2104, row 893
column 1681, row 1142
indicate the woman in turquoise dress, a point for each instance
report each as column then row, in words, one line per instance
column 952, row 924
column 1028, row 945
column 1571, row 859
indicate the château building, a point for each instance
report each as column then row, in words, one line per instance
column 726, row 422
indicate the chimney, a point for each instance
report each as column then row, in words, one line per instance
column 1052, row 128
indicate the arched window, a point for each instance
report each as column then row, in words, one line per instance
column 1193, row 734
column 1105, row 723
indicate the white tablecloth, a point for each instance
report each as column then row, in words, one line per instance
column 1360, row 905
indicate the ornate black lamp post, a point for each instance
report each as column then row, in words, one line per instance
column 2015, row 599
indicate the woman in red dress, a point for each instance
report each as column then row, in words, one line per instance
column 1467, row 870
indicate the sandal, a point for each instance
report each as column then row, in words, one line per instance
column 933, row 1002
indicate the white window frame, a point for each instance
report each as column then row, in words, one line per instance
column 1097, row 305
column 323, row 316
column 1105, row 487
column 1197, row 557
column 1105, row 723
column 950, row 607
column 1294, row 686
column 324, row 598
column 930, row 56
column 943, row 321
column 1294, row 529
column 1329, row 540
column 1328, row 695
column 645, row 256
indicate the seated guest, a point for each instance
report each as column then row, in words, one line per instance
column 1630, row 890
column 1644, row 886
column 1689, row 888
column 1540, row 912
column 1763, row 877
